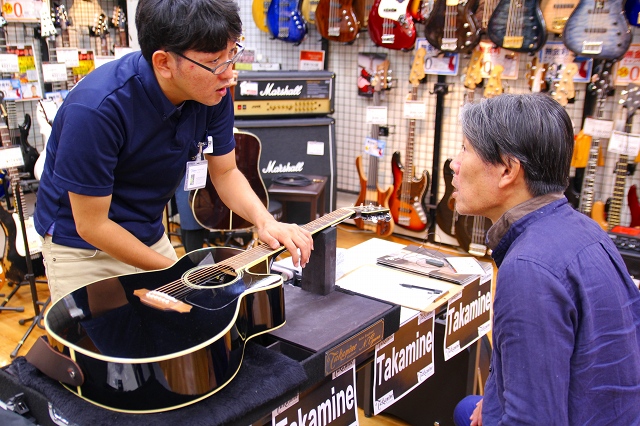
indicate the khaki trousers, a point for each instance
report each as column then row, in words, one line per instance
column 70, row 268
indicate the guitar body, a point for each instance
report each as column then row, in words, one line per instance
column 138, row 358
column 336, row 20
column 14, row 265
column 209, row 210
column 285, row 21
column 599, row 214
column 453, row 28
column 29, row 153
column 445, row 210
column 518, row 25
column 556, row 13
column 411, row 213
column 471, row 232
column 632, row 11
column 389, row 33
column 634, row 207
column 371, row 193
column 308, row 9
column 362, row 9
column 259, row 10
column 598, row 30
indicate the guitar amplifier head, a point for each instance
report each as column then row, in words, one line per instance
column 284, row 93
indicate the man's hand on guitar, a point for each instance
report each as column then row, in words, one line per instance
column 295, row 239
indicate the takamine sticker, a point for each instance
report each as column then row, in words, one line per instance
column 348, row 350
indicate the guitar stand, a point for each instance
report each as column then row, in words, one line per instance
column 38, row 307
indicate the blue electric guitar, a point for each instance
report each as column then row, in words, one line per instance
column 285, row 21
column 518, row 25
column 598, row 29
column 632, row 10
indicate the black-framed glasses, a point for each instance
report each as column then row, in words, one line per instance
column 218, row 69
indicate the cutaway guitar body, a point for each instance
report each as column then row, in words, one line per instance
column 407, row 205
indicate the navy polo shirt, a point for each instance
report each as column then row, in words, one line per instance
column 117, row 134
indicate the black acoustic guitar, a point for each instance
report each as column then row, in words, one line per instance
column 154, row 341
column 209, row 210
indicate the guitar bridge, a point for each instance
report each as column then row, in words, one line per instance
column 591, row 47
column 449, row 44
column 512, row 42
column 477, row 250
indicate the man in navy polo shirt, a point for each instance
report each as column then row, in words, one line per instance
column 121, row 141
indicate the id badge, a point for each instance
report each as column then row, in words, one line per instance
column 196, row 177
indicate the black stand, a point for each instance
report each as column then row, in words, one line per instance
column 440, row 89
column 319, row 276
column 38, row 307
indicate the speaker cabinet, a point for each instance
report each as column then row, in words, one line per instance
column 297, row 145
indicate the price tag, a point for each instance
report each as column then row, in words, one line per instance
column 598, row 128
column 374, row 147
column 414, row 110
column 23, row 10
column 68, row 56
column 437, row 62
column 627, row 70
column 624, row 143
column 54, row 72
column 377, row 115
column 11, row 157
column 492, row 55
column 9, row 63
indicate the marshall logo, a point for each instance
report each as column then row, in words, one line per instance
column 281, row 168
column 269, row 90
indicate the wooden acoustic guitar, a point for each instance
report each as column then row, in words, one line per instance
column 160, row 340
column 207, row 207
column 407, row 204
column 370, row 192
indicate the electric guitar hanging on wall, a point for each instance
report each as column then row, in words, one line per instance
column 390, row 33
column 259, row 10
column 622, row 168
column 598, row 29
column 370, row 192
column 285, row 21
column 178, row 333
column 407, row 203
column 518, row 25
column 452, row 25
column 119, row 22
column 336, row 20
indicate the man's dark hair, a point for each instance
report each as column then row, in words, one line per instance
column 532, row 128
column 181, row 25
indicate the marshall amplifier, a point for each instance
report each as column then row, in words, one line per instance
column 297, row 145
column 284, row 93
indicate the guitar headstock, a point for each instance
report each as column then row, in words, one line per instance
column 62, row 20
column 417, row 69
column 632, row 99
column 100, row 28
column 535, row 75
column 47, row 28
column 379, row 78
column 494, row 84
column 564, row 88
column 601, row 79
column 370, row 213
column 118, row 19
column 473, row 74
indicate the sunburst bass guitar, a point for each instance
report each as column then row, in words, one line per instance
column 164, row 339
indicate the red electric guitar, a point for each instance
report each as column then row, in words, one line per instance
column 390, row 33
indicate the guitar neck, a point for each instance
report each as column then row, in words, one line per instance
column 407, row 176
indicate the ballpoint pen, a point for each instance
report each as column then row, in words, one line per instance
column 431, row 290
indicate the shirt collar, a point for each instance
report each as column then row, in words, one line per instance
column 159, row 100
column 500, row 228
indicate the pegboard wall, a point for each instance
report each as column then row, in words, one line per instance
column 350, row 109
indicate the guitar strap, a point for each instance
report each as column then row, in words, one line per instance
column 54, row 364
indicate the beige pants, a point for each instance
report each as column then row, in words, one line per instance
column 69, row 268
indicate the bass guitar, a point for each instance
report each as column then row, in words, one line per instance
column 308, row 9
column 207, row 207
column 370, row 192
column 598, row 29
column 484, row 12
column 632, row 11
column 285, row 21
column 518, row 25
column 634, row 207
column 452, row 26
column 259, row 9
column 164, row 339
column 622, row 168
column 336, row 20
column 390, row 33
column 407, row 204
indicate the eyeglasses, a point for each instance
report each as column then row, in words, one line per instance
column 219, row 69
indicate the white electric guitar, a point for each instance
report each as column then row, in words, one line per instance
column 46, row 110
